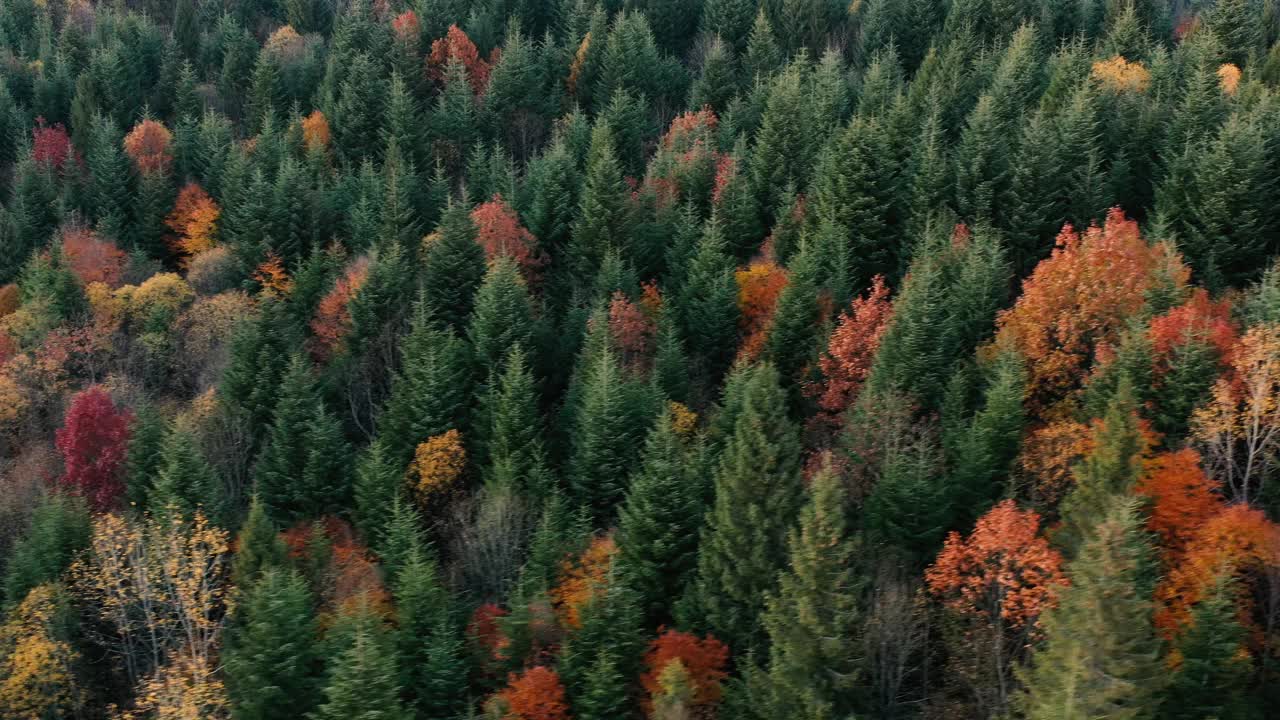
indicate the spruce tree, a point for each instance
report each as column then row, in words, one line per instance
column 813, row 620
column 258, row 548
column 184, row 479
column 454, row 268
column 707, row 305
column 757, row 494
column 1212, row 678
column 659, row 521
column 502, row 317
column 984, row 450
column 147, row 434
column 433, row 670
column 59, row 529
column 432, row 391
column 1101, row 652
column 271, row 659
column 602, row 213
column 364, row 680
column 376, row 488
column 514, row 440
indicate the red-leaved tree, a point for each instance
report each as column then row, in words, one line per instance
column 94, row 442
column 499, row 232
column 456, row 44
column 91, row 258
column 535, row 694
column 847, row 362
column 704, row 661
column 51, row 146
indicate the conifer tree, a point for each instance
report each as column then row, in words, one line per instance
column 363, row 679
column 813, row 620
column 454, row 268
column 184, row 479
column 59, row 529
column 433, row 671
column 757, row 494
column 1108, row 472
column 1100, row 657
column 301, row 471
column 986, row 448
column 502, row 318
column 513, row 442
column 792, row 342
column 1213, row 674
column 659, row 521
column 785, row 143
column 431, row 393
column 602, row 214
column 146, row 441
column 258, row 547
column 272, row 661
column 707, row 304
column 375, row 488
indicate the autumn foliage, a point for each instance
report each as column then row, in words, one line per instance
column 193, row 221
column 1121, row 76
column 535, row 694
column 760, row 284
column 272, row 276
column 51, row 146
column 852, row 348
column 1004, row 568
column 315, row 131
column 332, row 320
column 1182, row 499
column 92, row 258
column 704, row 659
column 438, row 464
column 456, row 45
column 94, row 442
column 632, row 327
column 582, row 578
column 1077, row 301
column 499, row 232
column 147, row 144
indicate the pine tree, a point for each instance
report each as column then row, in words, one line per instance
column 813, row 620
column 375, row 489
column 605, row 694
column 793, row 336
column 757, row 494
column 659, row 521
column 513, row 441
column 986, row 447
column 258, row 548
column 300, row 472
column 717, row 84
column 610, row 423
column 271, row 659
column 146, row 441
column 454, row 268
column 763, row 57
column 1100, row 657
column 730, row 20
column 59, row 529
column 184, row 479
column 785, row 142
column 603, row 211
column 109, row 169
column 364, row 681
column 260, row 352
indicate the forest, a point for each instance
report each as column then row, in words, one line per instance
column 639, row 359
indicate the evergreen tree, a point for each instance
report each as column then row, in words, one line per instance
column 433, row 670
column 147, row 435
column 757, row 494
column 59, row 530
column 785, row 142
column 432, row 391
column 375, row 489
column 984, row 450
column 271, row 658
column 184, row 479
column 300, row 473
column 707, row 303
column 1100, row 657
column 513, row 442
column 454, row 268
column 364, row 681
column 109, row 189
column 813, row 620
column 602, row 214
column 258, row 548
column 1212, row 678
column 502, row 318
column 659, row 521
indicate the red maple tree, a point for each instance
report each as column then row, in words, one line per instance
column 851, row 349
column 94, row 442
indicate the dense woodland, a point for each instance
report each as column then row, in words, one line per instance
column 613, row 359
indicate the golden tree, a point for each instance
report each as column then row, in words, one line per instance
column 36, row 675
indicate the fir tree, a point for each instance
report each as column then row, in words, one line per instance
column 1212, row 678
column 813, row 620
column 1100, row 657
column 271, row 659
column 502, row 318
column 433, row 670
column 757, row 494
column 707, row 304
column 431, row 393
column 454, row 268
column 364, row 681
column 59, row 529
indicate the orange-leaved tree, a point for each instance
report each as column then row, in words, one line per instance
column 1078, row 300
column 760, row 284
column 91, row 258
column 703, row 659
column 499, row 232
column 315, row 131
column 1182, row 499
column 535, row 694
column 147, row 144
column 850, row 351
column 193, row 221
column 438, row 463
column 582, row 579
column 1238, row 541
column 332, row 321
column 457, row 45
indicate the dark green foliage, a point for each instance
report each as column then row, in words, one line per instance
column 363, row 677
column 659, row 521
column 757, row 495
column 1212, row 678
column 59, row 530
column 454, row 268
column 184, row 479
column 272, row 659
